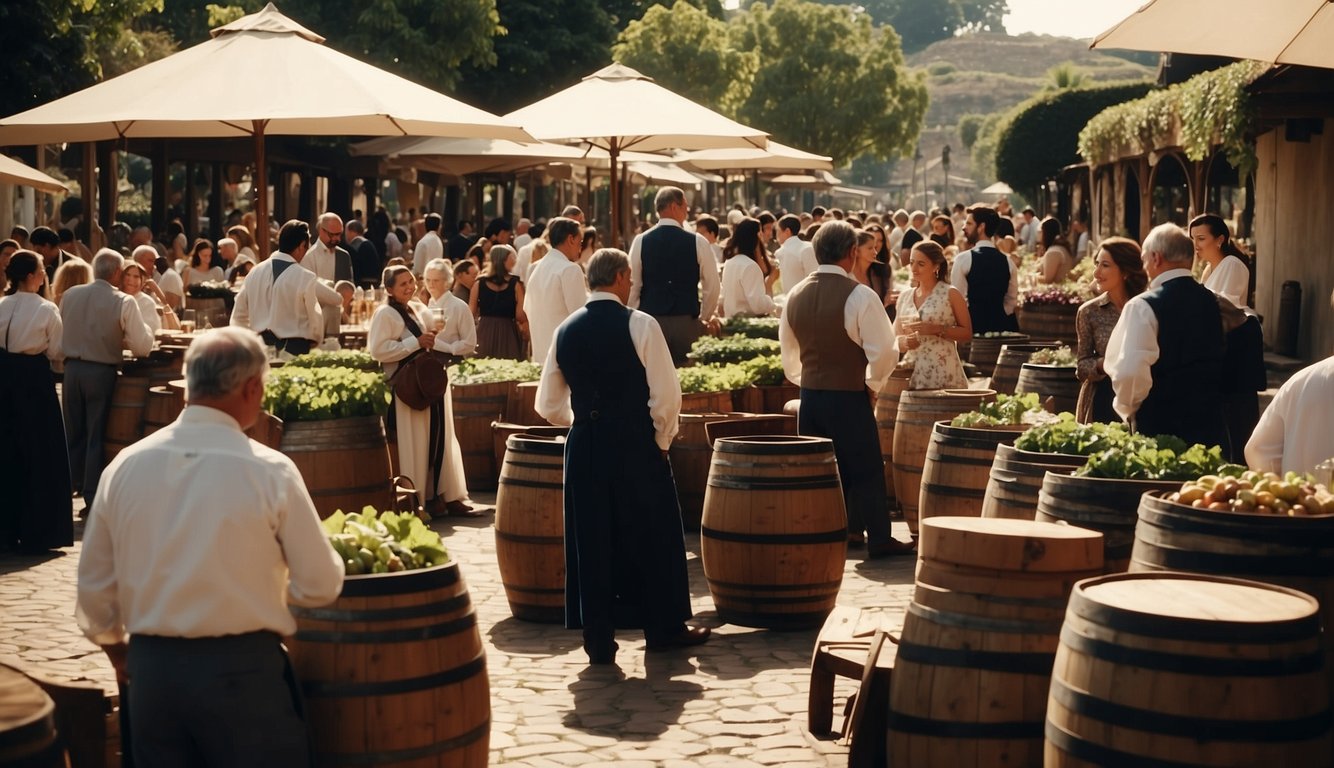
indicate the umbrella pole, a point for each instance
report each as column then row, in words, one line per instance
column 615, row 150
column 261, row 191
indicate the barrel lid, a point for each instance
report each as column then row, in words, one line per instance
column 946, row 394
column 1194, row 606
column 536, row 443
column 773, row 444
column 1010, row 545
column 25, row 711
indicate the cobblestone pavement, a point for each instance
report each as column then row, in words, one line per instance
column 738, row 700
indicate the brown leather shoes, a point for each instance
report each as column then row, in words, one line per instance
column 460, row 508
column 891, row 548
column 686, row 637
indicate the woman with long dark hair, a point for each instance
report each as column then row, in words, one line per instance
column 497, row 303
column 37, row 514
column 1227, row 271
column 1054, row 253
column 1119, row 274
column 745, row 283
column 881, row 272
column 201, row 268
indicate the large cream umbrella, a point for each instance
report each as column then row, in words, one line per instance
column 775, row 157
column 1277, row 31
column 14, row 172
column 262, row 74
column 617, row 108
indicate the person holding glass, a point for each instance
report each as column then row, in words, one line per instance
column 136, row 283
column 399, row 327
column 930, row 320
column 1118, row 271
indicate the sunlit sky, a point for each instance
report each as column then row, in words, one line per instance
column 1070, row 18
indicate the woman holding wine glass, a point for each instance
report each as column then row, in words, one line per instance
column 931, row 319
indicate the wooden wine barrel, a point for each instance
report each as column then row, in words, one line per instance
column 1174, row 669
column 886, row 411
column 210, row 311
column 773, row 398
column 958, row 465
column 164, row 405
column 985, row 350
column 530, row 527
column 125, row 417
column 476, row 406
column 523, row 407
column 1016, row 479
column 27, row 723
column 345, row 462
column 707, row 402
column 774, row 534
column 919, row 410
column 1055, row 381
column 975, row 655
column 1012, row 356
column 1099, row 504
column 1294, row 552
column 692, row 450
column 500, row 435
column 394, row 672
column 1049, row 321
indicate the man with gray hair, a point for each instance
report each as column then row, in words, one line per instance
column 555, row 285
column 668, row 267
column 610, row 375
column 838, row 346
column 99, row 321
column 1165, row 355
column 202, row 539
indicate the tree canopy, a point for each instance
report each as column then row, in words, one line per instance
column 688, row 51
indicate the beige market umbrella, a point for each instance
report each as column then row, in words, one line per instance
column 262, row 74
column 774, row 157
column 617, row 108
column 14, row 172
column 1277, row 31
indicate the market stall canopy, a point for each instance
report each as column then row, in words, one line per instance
column 774, row 157
column 14, row 172
column 459, row 157
column 817, row 180
column 663, row 173
column 1278, row 31
column 999, row 188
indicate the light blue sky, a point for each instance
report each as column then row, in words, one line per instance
column 1071, row 18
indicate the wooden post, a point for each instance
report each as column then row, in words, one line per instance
column 216, row 212
column 261, row 179
column 107, row 181
column 190, row 203
column 161, row 187
column 614, row 194
column 87, row 191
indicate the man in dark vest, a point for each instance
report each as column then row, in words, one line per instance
column 668, row 265
column 609, row 375
column 838, row 345
column 366, row 264
column 1165, row 356
column 985, row 276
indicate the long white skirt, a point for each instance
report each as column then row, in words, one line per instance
column 414, row 437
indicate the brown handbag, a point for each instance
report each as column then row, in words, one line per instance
column 421, row 378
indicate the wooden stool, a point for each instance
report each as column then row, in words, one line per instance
column 842, row 649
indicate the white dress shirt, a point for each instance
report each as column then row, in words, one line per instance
column 664, row 389
column 30, row 325
column 895, row 239
column 743, row 288
column 203, row 275
column 865, row 322
column 796, row 259
column 523, row 262
column 521, row 240
column 389, row 341
column 1133, row 348
column 288, row 306
column 148, row 311
column 1230, row 279
column 172, row 285
column 201, row 532
column 1296, row 431
column 708, row 269
column 963, row 263
column 555, row 288
column 320, row 260
column 428, row 248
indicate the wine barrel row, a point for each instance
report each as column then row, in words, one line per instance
column 919, row 410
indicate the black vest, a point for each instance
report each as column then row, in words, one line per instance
column 1185, row 399
column 597, row 357
column 669, row 267
column 988, row 282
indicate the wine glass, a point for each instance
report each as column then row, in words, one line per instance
column 438, row 318
column 188, row 321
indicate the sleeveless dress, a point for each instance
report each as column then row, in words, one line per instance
column 497, row 332
column 935, row 363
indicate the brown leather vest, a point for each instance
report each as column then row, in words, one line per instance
column 829, row 359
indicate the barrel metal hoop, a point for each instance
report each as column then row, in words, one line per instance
column 1197, row 728
column 750, row 600
column 953, row 729
column 983, row 623
column 518, row 482
column 805, row 620
column 535, row 464
column 1194, row 630
column 1097, row 754
column 796, row 446
column 720, row 462
column 384, row 614
column 332, row 689
column 404, row 635
column 521, row 538
column 814, row 537
column 776, row 587
column 773, row 483
column 389, row 757
column 1190, row 664
column 403, row 582
column 31, row 737
column 934, row 455
column 954, row 491
column 1307, row 560
column 991, row 661
column 534, row 590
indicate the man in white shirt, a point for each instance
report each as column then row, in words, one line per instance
column 523, row 261
column 1028, row 230
column 555, row 285
column 707, row 226
column 283, row 304
column 837, row 344
column 668, row 266
column 1079, row 234
column 521, row 236
column 326, row 257
column 1296, row 431
column 796, row 257
column 430, row 246
column 610, row 376
column 1165, row 355
column 201, row 539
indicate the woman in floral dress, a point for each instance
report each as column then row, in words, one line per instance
column 932, row 319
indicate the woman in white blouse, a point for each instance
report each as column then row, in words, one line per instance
column 1225, row 271
column 134, row 282
column 37, row 513
column 201, row 268
column 428, row 451
column 748, row 276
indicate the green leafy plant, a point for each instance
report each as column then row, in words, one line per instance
column 1065, row 435
column 382, row 542
column 343, row 358
column 714, row 378
column 754, row 327
column 320, row 394
column 1161, row 458
column 210, row 289
column 1005, row 411
column 731, row 349
column 488, row 370
column 1059, row 356
column 765, row 371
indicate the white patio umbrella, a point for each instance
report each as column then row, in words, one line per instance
column 999, row 188
column 1277, row 31
column 617, row 108
column 262, row 74
column 14, row 172
column 774, row 157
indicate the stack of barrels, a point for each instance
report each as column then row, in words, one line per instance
column 918, row 412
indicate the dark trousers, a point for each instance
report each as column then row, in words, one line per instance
column 847, row 419
column 86, row 399
column 680, row 332
column 290, row 346
column 220, row 701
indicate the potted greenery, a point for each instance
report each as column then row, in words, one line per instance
column 1050, row 373
column 484, row 391
column 1048, row 312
